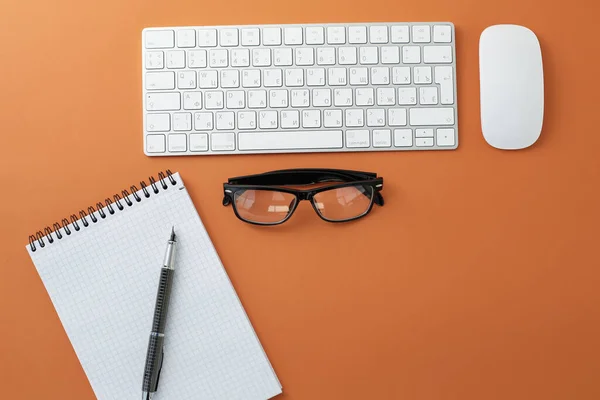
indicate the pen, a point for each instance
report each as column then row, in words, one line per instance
column 155, row 354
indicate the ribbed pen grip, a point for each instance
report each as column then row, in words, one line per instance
column 162, row 300
column 153, row 363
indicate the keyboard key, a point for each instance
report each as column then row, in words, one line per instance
column 357, row 34
column 294, row 77
column 358, row 76
column 403, row 138
column 155, row 60
column 378, row 34
column 278, row 98
column 186, row 80
column 160, row 39
column 271, row 36
column 155, row 143
column 235, row 99
column 422, row 75
column 407, row 96
column 305, row 56
column 177, row 142
column 336, row 35
column 160, row 80
column 311, row 119
column 225, row 121
column 240, row 57
column 428, row 95
column 380, row 75
column 431, row 116
column 315, row 35
column 401, row 75
column 411, row 54
column 442, row 34
column 251, row 78
column 192, row 100
column 207, row 79
column 424, row 142
column 332, row 118
column 176, row 59
column 203, row 121
column 321, row 97
column 445, row 137
column 300, row 98
column 282, row 56
column 326, row 56
column 163, row 101
column 376, row 117
column 158, row 122
column 292, row 36
column 421, row 34
column 207, row 37
column 423, row 132
column 273, row 77
column 182, row 121
column 230, row 78
column 261, row 57
column 224, row 141
column 444, row 78
column 390, row 55
column 267, row 120
column 437, row 54
column 386, row 96
column 257, row 99
column 250, row 37
column 382, row 138
column 290, row 140
column 365, row 97
column 218, row 58
column 397, row 116
column 196, row 59
column 368, row 55
column 347, row 55
column 336, row 76
column 198, row 142
column 400, row 34
column 228, row 37
column 213, row 100
column 290, row 119
column 246, row 120
column 186, row 38
column 315, row 77
column 355, row 117
column 357, row 138
column 342, row 97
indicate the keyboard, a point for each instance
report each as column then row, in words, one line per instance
column 299, row 88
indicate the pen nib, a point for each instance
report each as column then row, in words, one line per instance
column 172, row 239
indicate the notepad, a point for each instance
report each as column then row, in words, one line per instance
column 102, row 279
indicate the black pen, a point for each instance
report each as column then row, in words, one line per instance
column 155, row 354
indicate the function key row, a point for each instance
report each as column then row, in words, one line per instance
column 296, row 35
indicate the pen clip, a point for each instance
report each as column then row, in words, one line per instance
column 162, row 357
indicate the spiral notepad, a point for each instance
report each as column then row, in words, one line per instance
column 101, row 269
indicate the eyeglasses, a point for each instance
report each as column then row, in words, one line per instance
column 264, row 199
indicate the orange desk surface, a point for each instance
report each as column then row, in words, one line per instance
column 478, row 280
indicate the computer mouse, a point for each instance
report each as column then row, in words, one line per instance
column 511, row 86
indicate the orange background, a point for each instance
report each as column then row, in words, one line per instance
column 479, row 278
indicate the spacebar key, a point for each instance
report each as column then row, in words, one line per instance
column 292, row 140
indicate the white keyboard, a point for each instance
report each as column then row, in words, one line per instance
column 299, row 88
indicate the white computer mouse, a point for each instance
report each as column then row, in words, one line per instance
column 511, row 86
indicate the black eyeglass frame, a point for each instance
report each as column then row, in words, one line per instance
column 277, row 180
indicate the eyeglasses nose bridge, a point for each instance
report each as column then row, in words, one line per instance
column 305, row 196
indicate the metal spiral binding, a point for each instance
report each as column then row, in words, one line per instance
column 86, row 218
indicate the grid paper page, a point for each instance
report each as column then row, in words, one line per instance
column 103, row 281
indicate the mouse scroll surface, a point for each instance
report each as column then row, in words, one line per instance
column 511, row 86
